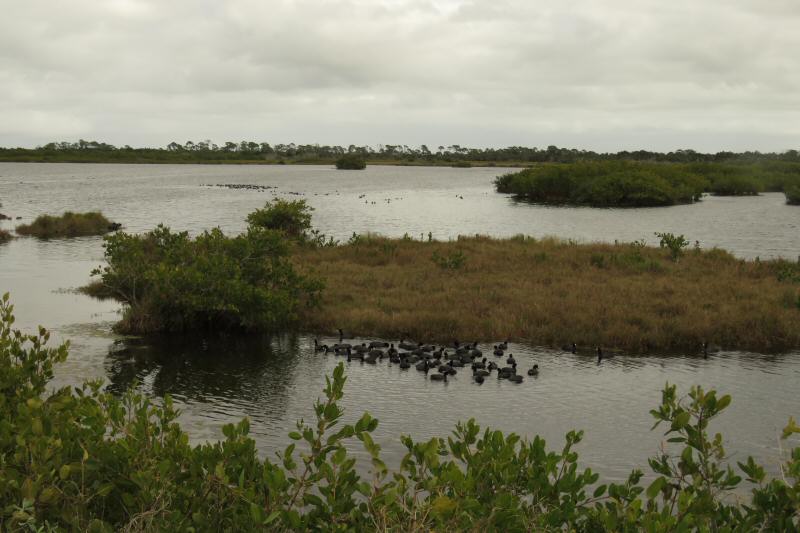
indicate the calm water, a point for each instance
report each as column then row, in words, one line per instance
column 275, row 380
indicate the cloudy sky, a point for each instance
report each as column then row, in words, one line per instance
column 596, row 74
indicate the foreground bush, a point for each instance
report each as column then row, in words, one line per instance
column 4, row 236
column 172, row 282
column 351, row 162
column 68, row 225
column 607, row 184
column 82, row 459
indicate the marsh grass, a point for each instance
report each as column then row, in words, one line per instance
column 67, row 225
column 552, row 292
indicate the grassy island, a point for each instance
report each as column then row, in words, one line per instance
column 68, row 225
column 551, row 292
column 280, row 274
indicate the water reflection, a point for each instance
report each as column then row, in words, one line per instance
column 274, row 381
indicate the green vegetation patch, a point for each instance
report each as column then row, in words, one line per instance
column 172, row 282
column 633, row 184
column 351, row 162
column 68, row 225
column 81, row 459
column 605, row 184
column 792, row 193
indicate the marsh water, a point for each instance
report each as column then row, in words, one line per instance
column 274, row 380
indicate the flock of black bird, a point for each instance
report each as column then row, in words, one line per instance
column 436, row 362
column 444, row 361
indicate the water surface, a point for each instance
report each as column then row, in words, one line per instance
column 275, row 380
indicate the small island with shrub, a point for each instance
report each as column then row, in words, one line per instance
column 627, row 183
column 605, row 184
column 351, row 162
column 281, row 274
column 68, row 225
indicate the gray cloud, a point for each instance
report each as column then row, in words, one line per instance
column 605, row 75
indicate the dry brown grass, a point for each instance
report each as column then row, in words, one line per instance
column 551, row 292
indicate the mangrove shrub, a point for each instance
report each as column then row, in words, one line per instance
column 81, row 459
column 792, row 193
column 68, row 225
column 351, row 162
column 173, row 282
column 605, row 184
column 293, row 218
column 674, row 243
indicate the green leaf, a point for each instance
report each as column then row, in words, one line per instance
column 681, row 420
column 443, row 505
column 256, row 513
column 655, row 487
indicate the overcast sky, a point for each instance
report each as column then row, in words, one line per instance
column 595, row 74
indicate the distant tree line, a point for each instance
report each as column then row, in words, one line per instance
column 262, row 152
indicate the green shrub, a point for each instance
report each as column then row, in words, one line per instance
column 293, row 218
column 171, row 282
column 735, row 185
column 68, row 225
column 351, row 162
column 454, row 260
column 674, row 243
column 792, row 193
column 81, row 459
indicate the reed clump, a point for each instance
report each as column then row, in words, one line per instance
column 68, row 225
column 552, row 292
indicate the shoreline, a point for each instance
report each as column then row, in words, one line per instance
column 332, row 162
